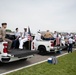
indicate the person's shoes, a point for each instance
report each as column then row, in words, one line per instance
column 20, row 49
column 13, row 47
column 9, row 50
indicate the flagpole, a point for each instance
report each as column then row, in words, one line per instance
column 29, row 44
column 29, row 36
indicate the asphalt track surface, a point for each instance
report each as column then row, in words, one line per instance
column 6, row 67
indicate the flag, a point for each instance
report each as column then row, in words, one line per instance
column 57, row 41
column 29, row 34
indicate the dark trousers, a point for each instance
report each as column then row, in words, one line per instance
column 70, row 48
column 15, row 43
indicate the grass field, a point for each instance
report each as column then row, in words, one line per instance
column 66, row 66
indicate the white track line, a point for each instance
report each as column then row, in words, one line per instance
column 30, row 65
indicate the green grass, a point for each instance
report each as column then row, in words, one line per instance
column 66, row 66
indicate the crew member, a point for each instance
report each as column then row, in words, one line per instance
column 38, row 36
column 23, row 38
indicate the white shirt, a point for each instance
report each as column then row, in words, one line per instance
column 59, row 36
column 67, row 36
column 62, row 38
column 71, row 35
column 17, row 34
column 55, row 35
column 38, row 36
column 70, row 41
column 25, row 34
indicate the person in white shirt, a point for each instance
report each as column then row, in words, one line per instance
column 17, row 33
column 71, row 34
column 55, row 34
column 70, row 44
column 38, row 36
column 23, row 39
column 62, row 41
column 67, row 36
column 17, row 36
column 59, row 35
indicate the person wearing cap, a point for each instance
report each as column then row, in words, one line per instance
column 3, row 35
column 38, row 36
column 23, row 38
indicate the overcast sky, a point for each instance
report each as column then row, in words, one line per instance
column 59, row 15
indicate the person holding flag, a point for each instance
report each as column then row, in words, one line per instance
column 23, row 38
column 29, row 34
column 29, row 37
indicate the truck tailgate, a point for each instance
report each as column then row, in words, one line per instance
column 22, row 53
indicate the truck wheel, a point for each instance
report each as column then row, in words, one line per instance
column 1, row 63
column 42, row 50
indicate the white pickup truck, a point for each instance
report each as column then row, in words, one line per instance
column 45, row 46
column 14, row 54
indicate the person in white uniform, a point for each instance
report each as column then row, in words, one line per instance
column 62, row 41
column 23, row 39
column 55, row 34
column 38, row 36
column 59, row 35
